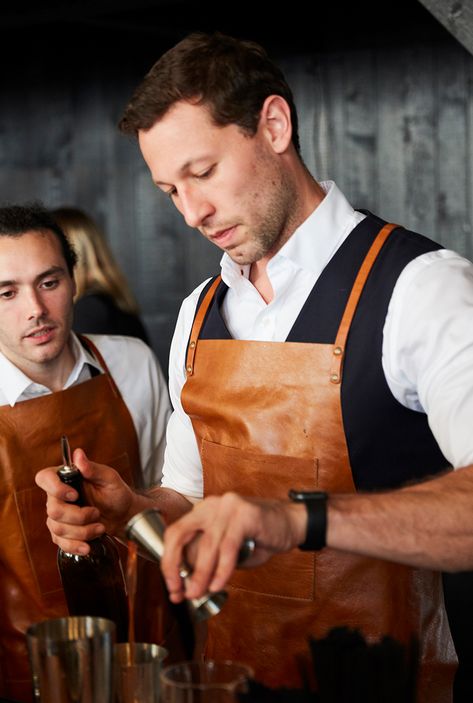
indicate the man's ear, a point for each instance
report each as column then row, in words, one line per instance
column 275, row 123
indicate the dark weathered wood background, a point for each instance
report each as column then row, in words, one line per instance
column 393, row 125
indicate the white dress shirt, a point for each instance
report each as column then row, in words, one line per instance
column 427, row 344
column 139, row 378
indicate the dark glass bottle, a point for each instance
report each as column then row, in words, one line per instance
column 94, row 584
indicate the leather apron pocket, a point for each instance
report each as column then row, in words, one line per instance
column 257, row 475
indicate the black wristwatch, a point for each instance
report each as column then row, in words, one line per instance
column 316, row 504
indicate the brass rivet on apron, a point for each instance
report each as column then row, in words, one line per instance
column 192, row 345
column 338, row 351
column 189, row 369
column 334, row 378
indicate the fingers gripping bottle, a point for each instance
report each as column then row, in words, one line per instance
column 94, row 583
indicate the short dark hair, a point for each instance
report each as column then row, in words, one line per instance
column 232, row 77
column 16, row 220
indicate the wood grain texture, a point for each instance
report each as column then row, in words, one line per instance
column 456, row 16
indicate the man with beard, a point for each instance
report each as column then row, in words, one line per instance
column 54, row 383
column 319, row 361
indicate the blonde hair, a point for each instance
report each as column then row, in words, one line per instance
column 96, row 270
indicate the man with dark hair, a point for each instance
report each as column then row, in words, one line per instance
column 18, row 219
column 54, row 383
column 332, row 356
column 232, row 78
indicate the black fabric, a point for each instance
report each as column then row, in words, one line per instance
column 388, row 444
column 379, row 430
column 213, row 326
column 96, row 313
column 458, row 594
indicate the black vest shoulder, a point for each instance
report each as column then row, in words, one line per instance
column 388, row 444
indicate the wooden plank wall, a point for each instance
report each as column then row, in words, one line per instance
column 392, row 126
column 394, row 129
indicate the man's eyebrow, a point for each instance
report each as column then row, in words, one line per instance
column 49, row 272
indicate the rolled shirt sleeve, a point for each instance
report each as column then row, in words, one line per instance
column 428, row 348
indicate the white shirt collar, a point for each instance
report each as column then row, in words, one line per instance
column 14, row 383
column 313, row 243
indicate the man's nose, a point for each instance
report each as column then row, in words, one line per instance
column 35, row 306
column 195, row 208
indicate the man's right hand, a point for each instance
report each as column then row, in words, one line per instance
column 209, row 537
column 111, row 502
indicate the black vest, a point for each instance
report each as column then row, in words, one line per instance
column 388, row 444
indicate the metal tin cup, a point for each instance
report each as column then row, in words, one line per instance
column 137, row 667
column 72, row 659
column 204, row 682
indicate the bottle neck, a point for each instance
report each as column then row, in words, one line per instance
column 72, row 477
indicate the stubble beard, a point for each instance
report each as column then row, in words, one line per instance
column 274, row 226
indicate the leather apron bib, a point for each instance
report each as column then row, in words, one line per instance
column 94, row 416
column 267, row 417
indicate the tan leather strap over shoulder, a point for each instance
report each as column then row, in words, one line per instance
column 196, row 327
column 342, row 334
column 95, row 352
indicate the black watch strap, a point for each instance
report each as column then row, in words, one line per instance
column 316, row 504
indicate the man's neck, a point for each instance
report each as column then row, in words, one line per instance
column 260, row 279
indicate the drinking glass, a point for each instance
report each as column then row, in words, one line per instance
column 204, row 682
column 137, row 667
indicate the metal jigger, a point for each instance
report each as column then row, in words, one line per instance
column 147, row 530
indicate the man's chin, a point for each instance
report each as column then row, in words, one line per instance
column 244, row 258
column 45, row 358
column 47, row 352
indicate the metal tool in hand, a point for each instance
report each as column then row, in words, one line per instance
column 66, row 455
column 147, row 530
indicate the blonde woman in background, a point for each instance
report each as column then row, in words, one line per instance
column 104, row 303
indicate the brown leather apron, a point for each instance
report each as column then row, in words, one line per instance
column 267, row 417
column 94, row 416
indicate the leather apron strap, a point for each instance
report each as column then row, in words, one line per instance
column 196, row 327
